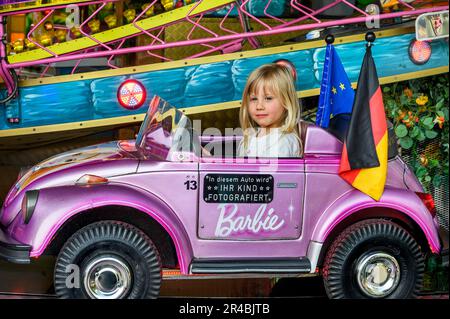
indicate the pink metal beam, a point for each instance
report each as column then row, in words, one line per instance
column 112, row 66
column 309, row 15
column 271, row 16
column 142, row 30
column 34, row 28
column 45, row 70
column 223, row 21
column 188, row 18
column 355, row 8
column 75, row 66
column 197, row 23
column 214, row 49
column 153, row 42
column 253, row 41
column 4, row 72
column 328, row 6
column 226, row 38
column 406, row 4
column 87, row 35
column 243, row 10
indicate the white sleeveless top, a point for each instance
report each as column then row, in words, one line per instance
column 274, row 144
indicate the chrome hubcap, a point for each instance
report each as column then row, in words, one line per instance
column 107, row 278
column 378, row 274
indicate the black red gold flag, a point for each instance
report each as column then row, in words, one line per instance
column 365, row 152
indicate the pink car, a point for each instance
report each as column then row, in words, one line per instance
column 121, row 216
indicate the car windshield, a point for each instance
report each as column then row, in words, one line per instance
column 165, row 130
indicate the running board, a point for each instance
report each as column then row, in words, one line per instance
column 227, row 266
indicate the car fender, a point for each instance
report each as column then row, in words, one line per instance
column 401, row 200
column 57, row 205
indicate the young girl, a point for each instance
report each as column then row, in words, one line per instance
column 270, row 114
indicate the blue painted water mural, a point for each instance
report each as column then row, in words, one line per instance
column 209, row 83
column 104, row 97
column 2, row 112
column 48, row 104
column 169, row 84
column 302, row 61
column 202, row 84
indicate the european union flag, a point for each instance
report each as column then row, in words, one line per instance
column 336, row 92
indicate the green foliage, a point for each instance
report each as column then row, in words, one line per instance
column 419, row 111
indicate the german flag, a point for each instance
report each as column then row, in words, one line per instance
column 364, row 156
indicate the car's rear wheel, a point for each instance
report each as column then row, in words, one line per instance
column 373, row 259
column 108, row 260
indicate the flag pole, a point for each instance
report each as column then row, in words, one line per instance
column 370, row 38
column 329, row 39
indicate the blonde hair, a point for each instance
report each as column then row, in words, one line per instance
column 279, row 80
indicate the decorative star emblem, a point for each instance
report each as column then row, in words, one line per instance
column 334, row 90
column 291, row 210
column 215, row 188
column 209, row 187
column 342, row 86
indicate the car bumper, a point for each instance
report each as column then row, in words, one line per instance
column 443, row 235
column 13, row 251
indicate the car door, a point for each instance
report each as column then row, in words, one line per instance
column 248, row 199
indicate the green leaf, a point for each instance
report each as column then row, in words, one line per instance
column 445, row 111
column 421, row 137
column 433, row 163
column 391, row 103
column 421, row 172
column 428, row 121
column 414, row 132
column 427, row 178
column 439, row 104
column 406, row 142
column 440, row 113
column 401, row 131
column 403, row 99
column 386, row 89
column 431, row 134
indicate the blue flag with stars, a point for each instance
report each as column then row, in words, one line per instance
column 336, row 92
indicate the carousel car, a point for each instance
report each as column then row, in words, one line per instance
column 117, row 215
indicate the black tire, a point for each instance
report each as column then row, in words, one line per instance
column 119, row 244
column 371, row 239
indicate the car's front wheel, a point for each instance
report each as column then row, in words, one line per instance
column 373, row 259
column 108, row 260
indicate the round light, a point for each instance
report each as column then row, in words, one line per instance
column 289, row 65
column 419, row 51
column 131, row 94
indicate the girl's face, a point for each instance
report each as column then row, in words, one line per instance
column 265, row 108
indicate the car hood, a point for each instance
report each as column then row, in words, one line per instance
column 106, row 155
